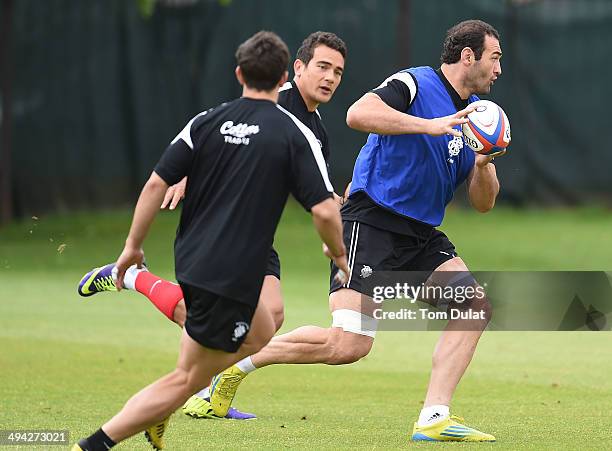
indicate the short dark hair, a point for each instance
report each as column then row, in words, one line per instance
column 263, row 59
column 469, row 33
column 313, row 40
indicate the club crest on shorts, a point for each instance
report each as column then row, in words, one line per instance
column 366, row 271
column 240, row 330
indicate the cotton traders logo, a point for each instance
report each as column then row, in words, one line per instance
column 239, row 133
column 454, row 147
column 240, row 330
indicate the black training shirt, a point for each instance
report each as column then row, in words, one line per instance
column 290, row 98
column 242, row 160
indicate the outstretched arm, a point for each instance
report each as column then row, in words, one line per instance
column 146, row 209
column 372, row 115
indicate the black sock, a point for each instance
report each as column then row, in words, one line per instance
column 98, row 441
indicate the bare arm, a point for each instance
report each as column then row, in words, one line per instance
column 146, row 209
column 371, row 114
column 483, row 185
column 327, row 221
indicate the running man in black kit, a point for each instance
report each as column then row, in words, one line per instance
column 318, row 68
column 242, row 160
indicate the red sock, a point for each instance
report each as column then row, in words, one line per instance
column 163, row 294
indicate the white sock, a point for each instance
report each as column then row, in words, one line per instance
column 246, row 365
column 129, row 280
column 433, row 414
column 204, row 393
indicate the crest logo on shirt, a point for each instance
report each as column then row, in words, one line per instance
column 239, row 133
column 454, row 147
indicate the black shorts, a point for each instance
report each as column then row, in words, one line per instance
column 273, row 268
column 214, row 321
column 371, row 249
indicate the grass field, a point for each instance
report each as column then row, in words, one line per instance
column 66, row 363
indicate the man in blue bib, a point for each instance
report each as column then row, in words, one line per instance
column 405, row 175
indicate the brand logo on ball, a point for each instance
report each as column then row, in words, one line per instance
column 471, row 141
column 240, row 330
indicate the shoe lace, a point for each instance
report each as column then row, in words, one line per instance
column 104, row 283
column 227, row 389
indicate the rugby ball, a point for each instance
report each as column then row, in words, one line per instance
column 487, row 131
